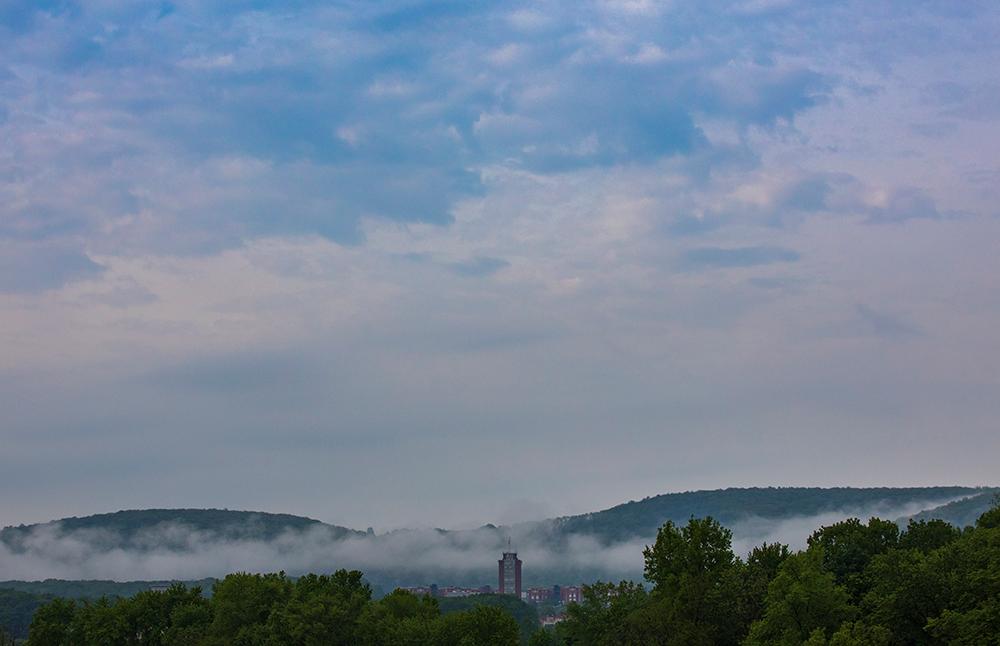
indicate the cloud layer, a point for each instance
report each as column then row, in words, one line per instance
column 426, row 263
column 402, row 558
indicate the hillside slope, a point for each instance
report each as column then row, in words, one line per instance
column 960, row 513
column 640, row 519
column 141, row 529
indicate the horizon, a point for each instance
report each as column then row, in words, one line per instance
column 439, row 264
column 387, row 530
column 151, row 545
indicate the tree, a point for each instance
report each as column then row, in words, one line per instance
column 851, row 633
column 695, row 579
column 399, row 618
column 100, row 622
column 904, row 591
column 543, row 637
column 321, row 611
column 600, row 618
column 701, row 549
column 481, row 626
column 761, row 567
column 241, row 605
column 802, row 599
column 927, row 535
column 970, row 571
column 150, row 616
column 848, row 547
column 991, row 517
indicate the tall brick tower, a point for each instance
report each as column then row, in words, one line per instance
column 510, row 573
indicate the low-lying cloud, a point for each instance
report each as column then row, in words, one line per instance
column 172, row 551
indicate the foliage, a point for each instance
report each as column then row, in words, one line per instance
column 802, row 599
column 927, row 535
column 601, row 617
column 857, row 583
column 850, row 545
column 273, row 610
column 524, row 614
column 93, row 589
column 960, row 513
column 640, row 519
column 16, row 610
column 480, row 626
column 136, row 529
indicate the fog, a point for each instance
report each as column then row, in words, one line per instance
column 406, row 557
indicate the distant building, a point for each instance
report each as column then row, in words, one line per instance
column 539, row 595
column 510, row 574
column 446, row 590
column 571, row 594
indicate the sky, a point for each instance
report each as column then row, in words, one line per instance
column 445, row 263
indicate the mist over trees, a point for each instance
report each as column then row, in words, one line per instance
column 856, row 583
column 191, row 545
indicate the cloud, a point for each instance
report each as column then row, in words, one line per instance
column 904, row 204
column 42, row 266
column 479, row 266
column 721, row 257
column 348, row 124
column 243, row 238
column 884, row 325
column 171, row 551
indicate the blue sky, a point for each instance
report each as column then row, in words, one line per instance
column 454, row 262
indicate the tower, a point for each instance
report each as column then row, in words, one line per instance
column 510, row 573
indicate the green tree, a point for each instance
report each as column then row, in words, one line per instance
column 99, row 622
column 904, row 592
column 544, row 637
column 928, row 535
column 991, row 517
column 702, row 549
column 695, row 578
column 481, row 626
column 850, row 545
column 600, row 618
column 761, row 567
column 321, row 610
column 399, row 618
column 970, row 570
column 149, row 616
column 851, row 633
column 802, row 599
column 241, row 606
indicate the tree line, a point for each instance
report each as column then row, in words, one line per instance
column 857, row 583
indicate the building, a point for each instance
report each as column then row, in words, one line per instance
column 510, row 574
column 539, row 595
column 446, row 591
column 571, row 594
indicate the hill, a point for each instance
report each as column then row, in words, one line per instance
column 143, row 529
column 192, row 544
column 640, row 519
column 960, row 513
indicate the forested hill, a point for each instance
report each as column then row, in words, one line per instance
column 135, row 528
column 640, row 519
column 961, row 513
column 153, row 528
